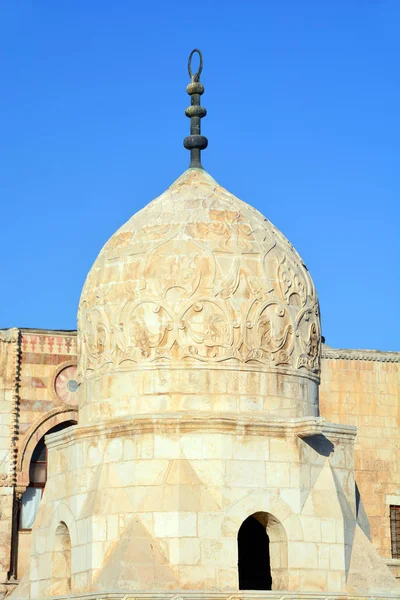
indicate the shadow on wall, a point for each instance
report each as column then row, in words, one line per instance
column 362, row 518
column 320, row 444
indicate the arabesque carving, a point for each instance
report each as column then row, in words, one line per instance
column 198, row 275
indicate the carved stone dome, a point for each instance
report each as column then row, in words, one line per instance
column 198, row 281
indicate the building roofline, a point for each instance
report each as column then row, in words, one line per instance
column 36, row 330
column 327, row 351
column 359, row 354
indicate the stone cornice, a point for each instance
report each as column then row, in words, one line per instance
column 328, row 352
column 239, row 595
column 9, row 335
column 349, row 354
column 34, row 330
column 179, row 423
column 336, row 430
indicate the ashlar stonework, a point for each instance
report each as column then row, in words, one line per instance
column 199, row 363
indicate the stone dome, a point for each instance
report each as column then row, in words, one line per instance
column 197, row 280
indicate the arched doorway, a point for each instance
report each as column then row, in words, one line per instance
column 262, row 553
column 253, row 553
column 61, row 562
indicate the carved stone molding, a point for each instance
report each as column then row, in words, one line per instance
column 178, row 423
column 12, row 337
column 214, row 595
column 62, row 392
column 370, row 355
column 198, row 276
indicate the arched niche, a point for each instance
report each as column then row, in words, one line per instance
column 61, row 562
column 262, row 553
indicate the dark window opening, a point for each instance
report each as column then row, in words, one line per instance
column 37, row 481
column 395, row 530
column 253, row 552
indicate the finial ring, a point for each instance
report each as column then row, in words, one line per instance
column 196, row 76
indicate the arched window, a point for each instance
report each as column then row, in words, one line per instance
column 37, row 481
column 254, row 562
column 262, row 553
column 61, row 562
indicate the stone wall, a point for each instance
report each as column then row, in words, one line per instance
column 358, row 388
column 46, row 359
column 172, row 496
column 9, row 374
column 361, row 388
column 30, row 405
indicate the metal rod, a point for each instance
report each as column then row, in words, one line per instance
column 195, row 142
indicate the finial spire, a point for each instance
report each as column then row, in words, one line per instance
column 195, row 142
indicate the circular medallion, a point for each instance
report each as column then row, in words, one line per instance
column 66, row 385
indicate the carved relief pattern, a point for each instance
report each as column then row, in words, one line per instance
column 65, row 385
column 198, row 275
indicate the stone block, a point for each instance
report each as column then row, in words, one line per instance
column 337, row 557
column 166, row 447
column 209, row 472
column 210, row 525
column 227, row 579
column 244, row 473
column 277, row 474
column 184, row 551
column 217, row 445
column 284, row 450
column 220, row 553
column 250, row 448
column 99, row 528
column 175, row 524
column 328, row 530
column 196, row 576
column 112, row 527
column 302, row 555
column 336, row 581
column 311, row 529
column 323, row 556
column 314, row 580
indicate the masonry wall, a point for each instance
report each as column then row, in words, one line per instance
column 41, row 354
column 358, row 388
column 8, row 386
column 362, row 388
column 173, row 499
column 29, row 406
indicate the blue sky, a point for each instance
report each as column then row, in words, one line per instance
column 303, row 122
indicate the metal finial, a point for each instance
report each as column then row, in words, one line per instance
column 195, row 142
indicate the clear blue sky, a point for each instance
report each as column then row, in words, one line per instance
column 303, row 122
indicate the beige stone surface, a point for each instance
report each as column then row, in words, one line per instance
column 199, row 366
column 29, row 407
column 24, row 551
column 362, row 388
column 198, row 303
column 367, row 570
column 8, row 446
column 168, row 518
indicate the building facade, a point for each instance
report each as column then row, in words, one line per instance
column 195, row 438
column 262, row 432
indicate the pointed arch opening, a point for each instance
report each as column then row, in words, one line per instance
column 262, row 553
column 61, row 562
